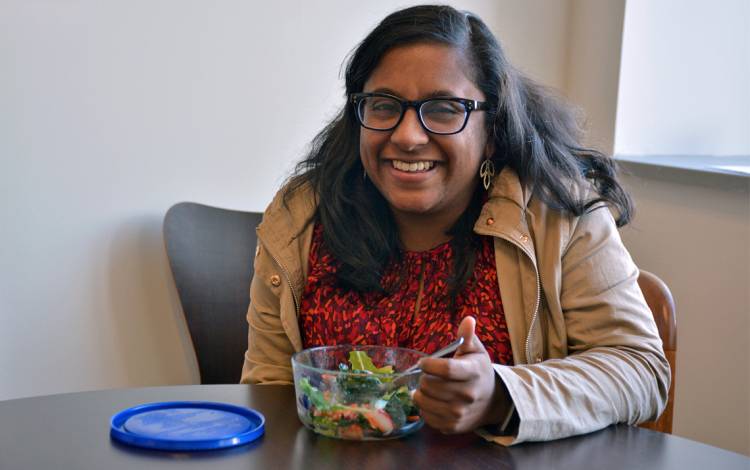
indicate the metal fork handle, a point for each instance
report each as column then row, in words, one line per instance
column 440, row 353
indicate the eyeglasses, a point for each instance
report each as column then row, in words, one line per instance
column 444, row 116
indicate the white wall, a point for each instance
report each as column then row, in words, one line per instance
column 693, row 230
column 111, row 111
column 684, row 78
column 684, row 91
column 593, row 66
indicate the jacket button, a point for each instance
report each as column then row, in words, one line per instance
column 538, row 359
column 490, row 221
column 275, row 280
column 524, row 238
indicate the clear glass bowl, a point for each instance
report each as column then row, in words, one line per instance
column 349, row 403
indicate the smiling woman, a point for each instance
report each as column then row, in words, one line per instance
column 451, row 197
column 428, row 180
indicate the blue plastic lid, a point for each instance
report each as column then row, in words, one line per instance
column 187, row 425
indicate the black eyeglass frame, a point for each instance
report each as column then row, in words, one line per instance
column 469, row 106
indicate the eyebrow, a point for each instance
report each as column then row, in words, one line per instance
column 434, row 94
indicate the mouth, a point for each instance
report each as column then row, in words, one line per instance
column 413, row 167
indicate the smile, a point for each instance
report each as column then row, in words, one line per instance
column 412, row 167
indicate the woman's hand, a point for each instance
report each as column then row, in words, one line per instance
column 462, row 393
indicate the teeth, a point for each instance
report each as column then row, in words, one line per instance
column 413, row 166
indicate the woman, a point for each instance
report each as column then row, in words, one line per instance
column 451, row 197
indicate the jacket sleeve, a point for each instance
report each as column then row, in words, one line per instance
column 268, row 356
column 616, row 370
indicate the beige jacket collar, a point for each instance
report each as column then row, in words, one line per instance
column 504, row 215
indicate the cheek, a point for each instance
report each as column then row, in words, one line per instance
column 369, row 147
column 363, row 147
column 479, row 146
column 364, row 151
column 470, row 153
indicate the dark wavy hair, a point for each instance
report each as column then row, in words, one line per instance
column 535, row 134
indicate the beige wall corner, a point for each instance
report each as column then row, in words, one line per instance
column 593, row 66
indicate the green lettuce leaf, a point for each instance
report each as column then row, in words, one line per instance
column 313, row 394
column 359, row 360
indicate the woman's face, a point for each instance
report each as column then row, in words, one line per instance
column 444, row 189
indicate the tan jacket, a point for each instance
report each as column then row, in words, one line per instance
column 585, row 346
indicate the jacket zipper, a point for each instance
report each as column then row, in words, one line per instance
column 529, row 359
column 535, row 315
column 287, row 277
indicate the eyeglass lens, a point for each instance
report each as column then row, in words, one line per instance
column 440, row 116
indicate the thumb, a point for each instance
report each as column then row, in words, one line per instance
column 471, row 344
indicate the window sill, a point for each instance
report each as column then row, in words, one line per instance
column 734, row 166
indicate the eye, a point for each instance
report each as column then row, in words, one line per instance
column 443, row 110
column 382, row 105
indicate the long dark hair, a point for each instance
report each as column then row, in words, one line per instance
column 534, row 133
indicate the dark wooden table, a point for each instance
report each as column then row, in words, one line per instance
column 71, row 431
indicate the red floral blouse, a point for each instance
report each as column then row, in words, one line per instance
column 331, row 315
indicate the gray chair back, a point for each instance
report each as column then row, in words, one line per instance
column 211, row 253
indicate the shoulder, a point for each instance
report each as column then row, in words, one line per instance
column 291, row 209
column 294, row 197
column 285, row 235
column 595, row 222
column 550, row 225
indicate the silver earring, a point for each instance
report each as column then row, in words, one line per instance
column 487, row 172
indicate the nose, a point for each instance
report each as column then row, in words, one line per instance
column 409, row 134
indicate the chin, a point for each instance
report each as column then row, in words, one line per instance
column 420, row 207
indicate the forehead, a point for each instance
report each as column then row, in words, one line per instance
column 419, row 70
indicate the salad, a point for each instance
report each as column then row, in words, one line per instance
column 359, row 404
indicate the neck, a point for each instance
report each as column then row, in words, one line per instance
column 420, row 233
column 422, row 236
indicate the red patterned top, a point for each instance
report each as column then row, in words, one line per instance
column 332, row 315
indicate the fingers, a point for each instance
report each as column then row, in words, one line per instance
column 447, row 417
column 437, row 408
column 466, row 331
column 456, row 394
column 442, row 416
column 463, row 365
column 471, row 343
column 447, row 391
column 460, row 370
column 445, row 426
